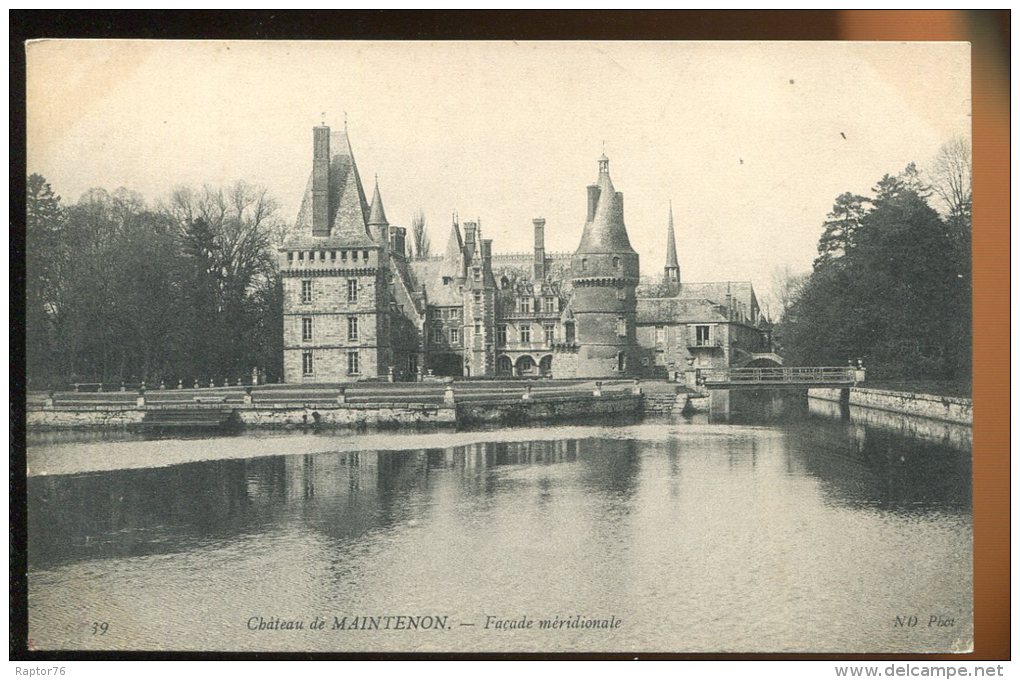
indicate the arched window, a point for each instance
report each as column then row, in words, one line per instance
column 504, row 366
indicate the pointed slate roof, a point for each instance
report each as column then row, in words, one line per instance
column 377, row 216
column 453, row 257
column 348, row 209
column 671, row 260
column 606, row 232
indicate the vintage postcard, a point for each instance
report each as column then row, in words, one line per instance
column 474, row 347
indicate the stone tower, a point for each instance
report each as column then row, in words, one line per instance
column 671, row 276
column 335, row 273
column 605, row 272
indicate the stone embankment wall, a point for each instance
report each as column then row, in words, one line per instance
column 951, row 409
column 548, row 408
column 83, row 417
column 347, row 415
column 383, row 414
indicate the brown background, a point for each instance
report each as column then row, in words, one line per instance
column 988, row 31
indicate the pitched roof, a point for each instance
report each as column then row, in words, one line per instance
column 453, row 256
column 429, row 273
column 348, row 209
column 679, row 310
column 606, row 232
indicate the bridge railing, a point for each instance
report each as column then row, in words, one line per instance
column 781, row 374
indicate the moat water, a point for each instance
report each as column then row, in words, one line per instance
column 784, row 527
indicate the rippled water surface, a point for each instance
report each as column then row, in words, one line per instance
column 785, row 529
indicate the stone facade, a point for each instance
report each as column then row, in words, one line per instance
column 358, row 307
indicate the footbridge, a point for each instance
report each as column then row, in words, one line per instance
column 791, row 377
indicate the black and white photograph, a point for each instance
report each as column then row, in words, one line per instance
column 499, row 346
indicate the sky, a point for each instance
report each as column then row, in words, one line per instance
column 751, row 142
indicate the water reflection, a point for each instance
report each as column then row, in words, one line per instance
column 770, row 532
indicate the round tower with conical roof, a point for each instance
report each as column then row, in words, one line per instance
column 604, row 273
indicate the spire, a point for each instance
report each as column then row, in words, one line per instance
column 671, row 259
column 672, row 269
column 377, row 216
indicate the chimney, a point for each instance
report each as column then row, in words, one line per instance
column 487, row 261
column 593, row 200
column 539, row 223
column 470, row 231
column 320, row 180
column 398, row 236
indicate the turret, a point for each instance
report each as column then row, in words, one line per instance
column 605, row 272
column 378, row 226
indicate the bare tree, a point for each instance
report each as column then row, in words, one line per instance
column 951, row 178
column 419, row 235
column 786, row 286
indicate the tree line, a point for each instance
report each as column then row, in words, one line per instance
column 187, row 289
column 892, row 281
column 117, row 290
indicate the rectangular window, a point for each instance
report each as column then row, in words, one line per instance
column 352, row 328
column 525, row 333
column 437, row 335
column 364, row 254
column 301, row 256
column 353, row 364
column 477, row 272
column 322, row 255
column 703, row 335
column 412, row 364
column 352, row 290
column 568, row 331
column 621, row 326
column 455, row 314
column 290, row 257
column 525, row 304
column 550, row 334
column 478, row 327
column 343, row 255
column 306, row 363
column 478, row 297
column 306, row 329
column 549, row 305
column 501, row 335
column 332, row 255
column 306, row 292
column 454, row 336
column 660, row 335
